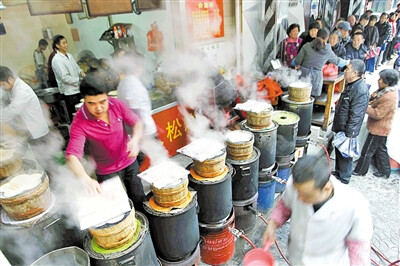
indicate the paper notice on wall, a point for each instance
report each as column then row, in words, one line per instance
column 111, row 203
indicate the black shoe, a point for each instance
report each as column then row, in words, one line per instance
column 377, row 174
column 356, row 174
column 335, row 173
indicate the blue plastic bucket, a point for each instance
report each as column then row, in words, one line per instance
column 266, row 193
column 283, row 173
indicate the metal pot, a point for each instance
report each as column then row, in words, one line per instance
column 287, row 131
column 265, row 141
column 214, row 197
column 51, row 231
column 194, row 259
column 140, row 253
column 245, row 180
column 303, row 110
column 286, row 161
column 244, row 218
column 175, row 233
column 264, row 176
column 64, row 256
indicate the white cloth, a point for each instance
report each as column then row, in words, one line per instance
column 25, row 104
column 136, row 96
column 319, row 238
column 67, row 73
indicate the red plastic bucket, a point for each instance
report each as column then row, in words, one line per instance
column 259, row 256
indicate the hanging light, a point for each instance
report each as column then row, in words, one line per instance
column 2, row 7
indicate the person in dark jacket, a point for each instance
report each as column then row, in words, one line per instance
column 310, row 35
column 356, row 48
column 335, row 42
column 384, row 31
column 371, row 36
column 345, row 29
column 349, row 114
column 363, row 22
column 312, row 58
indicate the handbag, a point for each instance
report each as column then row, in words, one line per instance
column 348, row 147
column 373, row 52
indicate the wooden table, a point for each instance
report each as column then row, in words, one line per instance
column 327, row 98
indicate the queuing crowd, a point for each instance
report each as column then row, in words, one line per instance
column 367, row 38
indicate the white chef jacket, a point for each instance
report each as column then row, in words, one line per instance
column 67, row 73
column 319, row 238
column 136, row 96
column 25, row 104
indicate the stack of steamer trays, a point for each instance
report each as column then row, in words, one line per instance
column 300, row 102
column 259, row 123
column 28, row 206
column 122, row 240
column 24, row 194
column 171, row 208
column 211, row 177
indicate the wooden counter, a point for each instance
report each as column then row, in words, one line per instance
column 327, row 98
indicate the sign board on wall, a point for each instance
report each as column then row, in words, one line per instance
column 215, row 53
column 171, row 131
column 46, row 7
column 205, row 19
column 104, row 8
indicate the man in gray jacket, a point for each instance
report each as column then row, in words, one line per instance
column 349, row 114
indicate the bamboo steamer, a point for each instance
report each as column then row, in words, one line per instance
column 212, row 167
column 259, row 120
column 172, row 195
column 300, row 91
column 29, row 203
column 116, row 235
column 241, row 148
column 9, row 166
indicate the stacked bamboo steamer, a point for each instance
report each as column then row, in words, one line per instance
column 10, row 162
column 259, row 120
column 116, row 233
column 25, row 195
column 169, row 184
column 300, row 91
column 173, row 194
column 239, row 145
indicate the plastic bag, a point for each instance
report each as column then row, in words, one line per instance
column 348, row 147
column 373, row 53
column 330, row 70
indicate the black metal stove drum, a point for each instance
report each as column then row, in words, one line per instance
column 265, row 141
column 212, row 180
column 299, row 102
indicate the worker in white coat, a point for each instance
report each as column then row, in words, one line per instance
column 330, row 222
